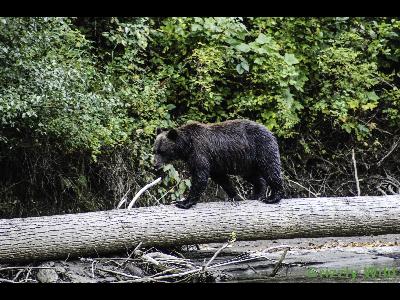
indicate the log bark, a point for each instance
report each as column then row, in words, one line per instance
column 69, row 235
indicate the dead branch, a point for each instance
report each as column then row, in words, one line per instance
column 355, row 172
column 6, row 280
column 147, row 186
column 279, row 263
column 217, row 252
column 18, row 268
column 312, row 193
column 394, row 146
column 118, row 273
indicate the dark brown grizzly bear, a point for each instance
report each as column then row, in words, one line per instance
column 236, row 147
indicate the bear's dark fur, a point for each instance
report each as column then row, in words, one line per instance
column 237, row 147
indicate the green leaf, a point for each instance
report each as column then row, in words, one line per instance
column 287, row 95
column 245, row 65
column 196, row 27
column 243, row 47
column 239, row 68
column 188, row 182
column 353, row 104
column 170, row 106
column 262, row 50
column 266, row 115
column 370, row 105
column 259, row 61
column 262, row 39
column 290, row 59
column 372, row 96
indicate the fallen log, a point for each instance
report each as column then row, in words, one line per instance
column 69, row 235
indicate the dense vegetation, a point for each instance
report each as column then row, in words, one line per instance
column 80, row 99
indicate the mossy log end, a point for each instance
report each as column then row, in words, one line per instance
column 93, row 233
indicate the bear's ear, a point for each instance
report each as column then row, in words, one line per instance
column 159, row 130
column 172, row 134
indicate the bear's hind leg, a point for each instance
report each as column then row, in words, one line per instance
column 259, row 187
column 226, row 184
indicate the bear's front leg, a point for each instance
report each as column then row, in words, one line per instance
column 185, row 203
column 276, row 193
column 199, row 183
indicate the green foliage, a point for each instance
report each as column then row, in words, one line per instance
column 90, row 87
column 174, row 179
column 50, row 89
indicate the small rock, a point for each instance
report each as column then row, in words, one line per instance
column 47, row 264
column 134, row 270
column 109, row 279
column 47, row 276
column 60, row 270
column 75, row 278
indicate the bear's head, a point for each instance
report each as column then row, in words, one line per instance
column 166, row 148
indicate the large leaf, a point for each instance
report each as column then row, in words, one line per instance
column 245, row 65
column 243, row 47
column 239, row 68
column 372, row 96
column 262, row 39
column 290, row 59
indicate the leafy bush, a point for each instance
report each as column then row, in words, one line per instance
column 51, row 89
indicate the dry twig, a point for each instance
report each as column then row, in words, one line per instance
column 118, row 273
column 143, row 189
column 279, row 263
column 355, row 172
column 312, row 193
column 216, row 254
column 24, row 268
column 394, row 146
column 6, row 280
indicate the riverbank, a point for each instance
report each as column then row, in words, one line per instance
column 333, row 259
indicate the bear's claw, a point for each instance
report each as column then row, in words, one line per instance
column 234, row 200
column 185, row 204
column 271, row 200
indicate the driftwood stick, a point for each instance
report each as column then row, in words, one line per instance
column 147, row 186
column 279, row 263
column 7, row 280
column 216, row 254
column 123, row 199
column 24, row 268
column 118, row 273
column 200, row 270
column 355, row 172
column 138, row 194
column 314, row 194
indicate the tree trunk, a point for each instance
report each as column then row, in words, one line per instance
column 93, row 233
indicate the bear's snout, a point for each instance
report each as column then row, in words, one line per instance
column 158, row 162
column 158, row 165
column 158, row 171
